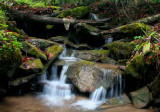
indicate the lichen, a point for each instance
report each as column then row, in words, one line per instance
column 135, row 28
column 78, row 12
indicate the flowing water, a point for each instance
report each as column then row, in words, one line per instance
column 93, row 16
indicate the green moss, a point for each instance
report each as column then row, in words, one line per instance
column 48, row 27
column 78, row 12
column 38, row 63
column 54, row 49
column 102, row 52
column 89, row 27
column 121, row 50
column 136, row 68
column 86, row 62
column 32, row 50
column 135, row 28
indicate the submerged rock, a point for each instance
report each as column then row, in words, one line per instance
column 33, row 51
column 123, row 99
column 87, row 76
column 141, row 98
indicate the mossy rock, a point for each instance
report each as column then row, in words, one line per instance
column 94, row 55
column 141, row 98
column 78, row 12
column 9, row 61
column 34, row 66
column 87, row 76
column 33, row 51
column 136, row 68
column 53, row 52
column 42, row 43
column 59, row 39
column 135, row 29
column 120, row 50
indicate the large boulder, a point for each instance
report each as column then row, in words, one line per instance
column 78, row 12
column 33, row 51
column 95, row 55
column 87, row 76
column 141, row 98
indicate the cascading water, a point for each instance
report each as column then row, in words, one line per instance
column 109, row 40
column 101, row 95
column 93, row 16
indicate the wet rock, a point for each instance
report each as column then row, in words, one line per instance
column 33, row 51
column 141, row 98
column 95, row 55
column 87, row 76
column 123, row 99
column 34, row 66
column 78, row 12
column 42, row 43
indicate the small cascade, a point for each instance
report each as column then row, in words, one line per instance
column 93, row 16
column 101, row 95
column 97, row 98
column 56, row 90
column 109, row 40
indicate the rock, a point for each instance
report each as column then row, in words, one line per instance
column 42, row 43
column 120, row 50
column 136, row 68
column 59, row 39
column 87, row 76
column 33, row 51
column 140, row 98
column 95, row 55
column 53, row 52
column 22, row 80
column 9, row 61
column 78, row 12
column 88, row 34
column 122, row 100
column 135, row 29
column 34, row 66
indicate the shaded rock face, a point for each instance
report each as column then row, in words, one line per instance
column 87, row 76
column 2, row 92
column 88, row 34
column 141, row 98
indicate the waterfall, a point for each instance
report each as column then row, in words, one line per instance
column 109, row 40
column 101, row 95
column 93, row 16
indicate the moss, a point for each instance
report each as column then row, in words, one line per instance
column 78, row 12
column 32, row 50
column 38, row 63
column 48, row 27
column 135, row 28
column 121, row 50
column 89, row 27
column 54, row 49
column 122, row 61
column 136, row 68
column 102, row 52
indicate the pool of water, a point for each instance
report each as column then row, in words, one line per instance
column 34, row 103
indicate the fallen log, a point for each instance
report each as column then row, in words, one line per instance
column 47, row 20
column 147, row 20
